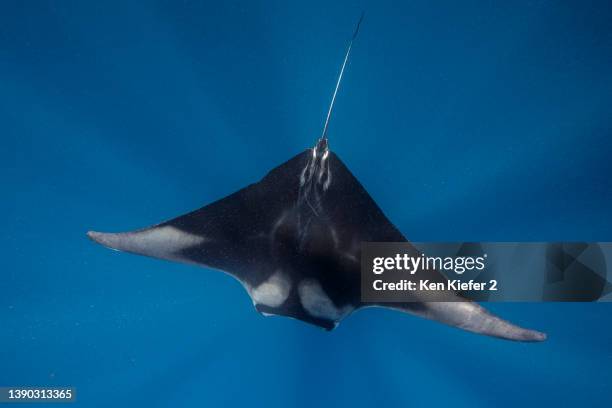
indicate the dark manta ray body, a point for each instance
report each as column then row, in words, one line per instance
column 293, row 240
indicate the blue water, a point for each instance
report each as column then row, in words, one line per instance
column 472, row 120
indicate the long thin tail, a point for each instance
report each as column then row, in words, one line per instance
column 346, row 57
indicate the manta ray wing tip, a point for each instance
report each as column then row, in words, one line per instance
column 102, row 238
column 536, row 336
column 94, row 235
column 516, row 333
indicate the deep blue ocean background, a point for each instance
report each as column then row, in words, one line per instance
column 476, row 120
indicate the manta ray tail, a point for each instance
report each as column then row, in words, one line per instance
column 472, row 317
column 346, row 57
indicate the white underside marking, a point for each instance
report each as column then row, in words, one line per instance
column 157, row 241
column 316, row 302
column 272, row 292
column 165, row 239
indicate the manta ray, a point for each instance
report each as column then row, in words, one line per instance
column 293, row 240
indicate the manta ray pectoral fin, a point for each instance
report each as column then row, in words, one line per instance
column 164, row 242
column 472, row 317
